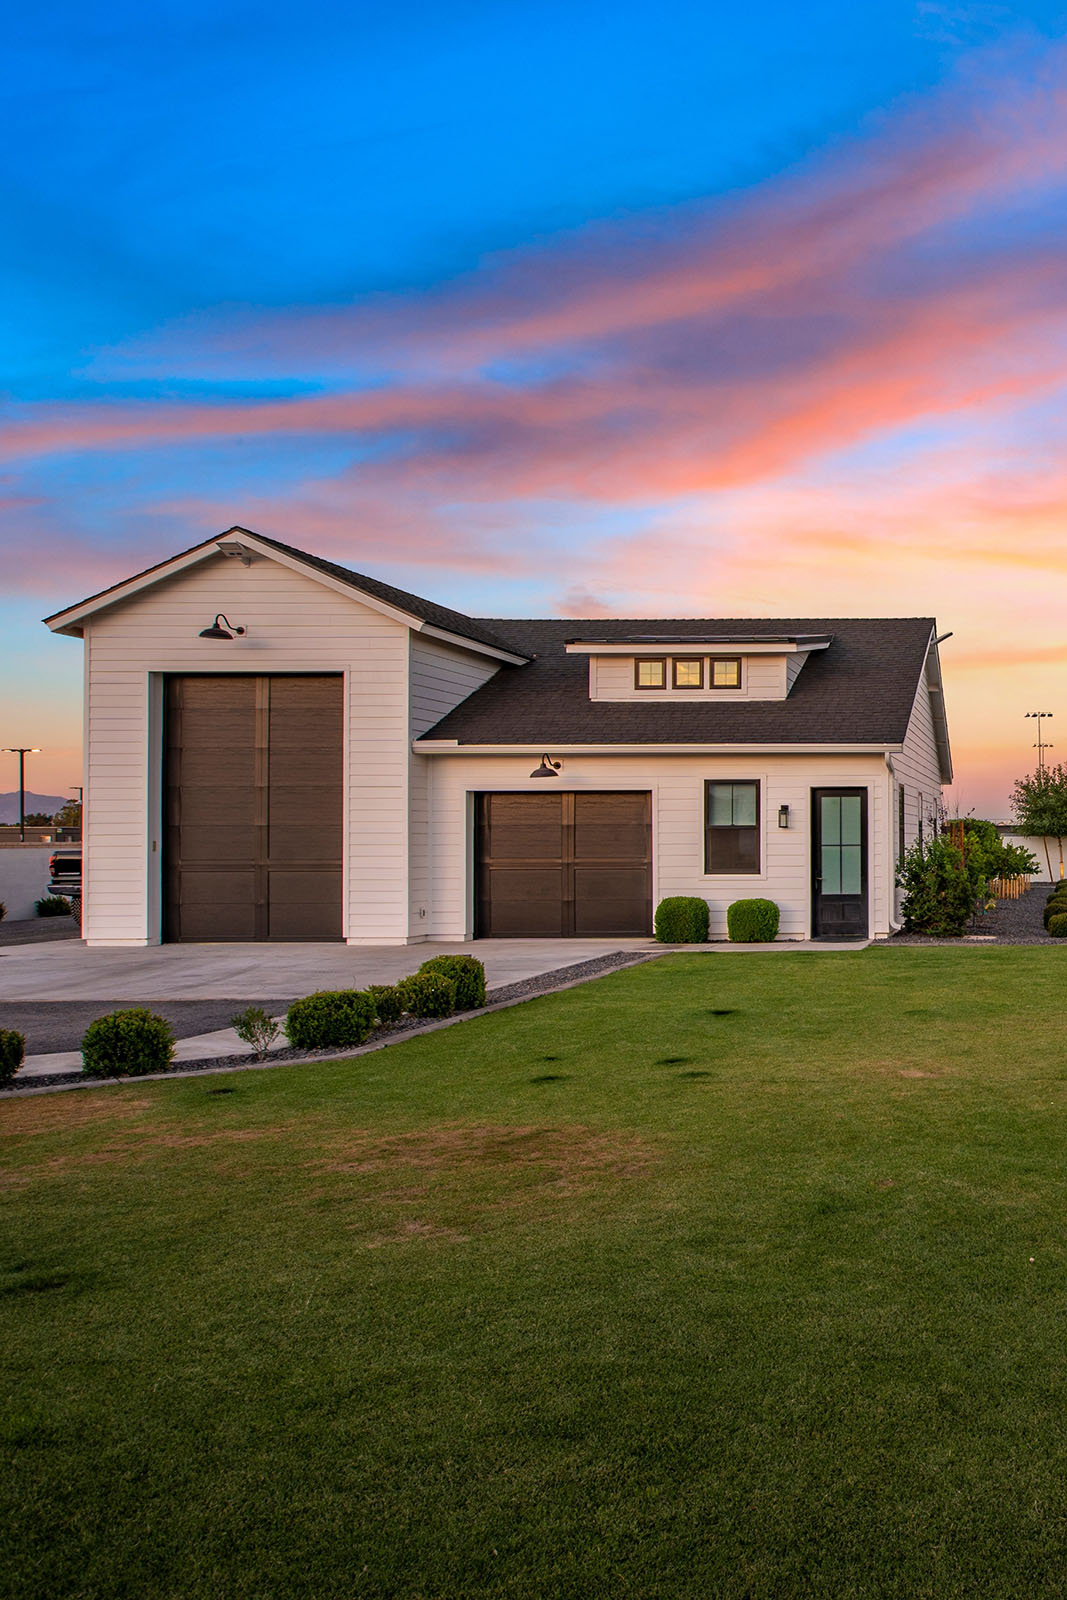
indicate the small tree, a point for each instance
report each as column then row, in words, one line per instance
column 69, row 815
column 1039, row 803
column 938, row 893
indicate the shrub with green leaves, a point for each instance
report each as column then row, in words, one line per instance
column 939, row 895
column 681, row 919
column 256, row 1027
column 127, row 1044
column 12, row 1055
column 466, row 972
column 1054, row 908
column 1057, row 925
column 53, row 905
column 330, row 1019
column 752, row 921
column 388, row 1008
column 428, row 994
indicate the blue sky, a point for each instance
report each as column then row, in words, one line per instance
column 216, row 206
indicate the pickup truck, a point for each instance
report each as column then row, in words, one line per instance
column 65, row 877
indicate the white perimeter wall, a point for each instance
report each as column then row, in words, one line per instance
column 677, row 787
column 23, row 877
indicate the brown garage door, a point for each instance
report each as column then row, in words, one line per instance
column 253, row 792
column 564, row 865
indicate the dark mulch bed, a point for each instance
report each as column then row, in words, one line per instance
column 1013, row 922
column 527, row 989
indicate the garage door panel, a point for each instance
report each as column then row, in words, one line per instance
column 596, row 880
column 526, row 902
column 610, row 827
column 526, row 827
column 254, row 777
column 610, row 901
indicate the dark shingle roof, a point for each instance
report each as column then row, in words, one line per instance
column 476, row 628
column 860, row 690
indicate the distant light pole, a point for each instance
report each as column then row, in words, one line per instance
column 22, row 751
column 1042, row 744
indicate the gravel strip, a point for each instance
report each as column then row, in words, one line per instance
column 507, row 995
column 1013, row 922
column 39, row 930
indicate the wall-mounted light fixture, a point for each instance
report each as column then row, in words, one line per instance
column 217, row 631
column 783, row 816
column 547, row 769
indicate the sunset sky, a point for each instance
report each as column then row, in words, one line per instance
column 555, row 308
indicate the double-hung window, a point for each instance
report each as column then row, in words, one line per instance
column 731, row 827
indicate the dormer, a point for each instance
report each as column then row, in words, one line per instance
column 673, row 667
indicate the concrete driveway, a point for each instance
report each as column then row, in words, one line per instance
column 254, row 972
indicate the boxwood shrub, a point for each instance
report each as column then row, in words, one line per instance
column 53, row 905
column 428, row 994
column 681, row 919
column 126, row 1044
column 330, row 1019
column 12, row 1055
column 752, row 921
column 388, row 1005
column 1057, row 925
column 1054, row 907
column 468, row 975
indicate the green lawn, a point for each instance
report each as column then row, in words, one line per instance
column 720, row 1277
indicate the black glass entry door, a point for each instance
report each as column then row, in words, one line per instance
column 839, row 864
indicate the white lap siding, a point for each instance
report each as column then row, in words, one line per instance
column 294, row 625
column 917, row 771
column 676, row 783
column 442, row 676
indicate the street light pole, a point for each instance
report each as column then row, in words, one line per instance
column 22, row 751
column 1042, row 745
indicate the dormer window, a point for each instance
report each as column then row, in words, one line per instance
column 726, row 672
column 650, row 672
column 688, row 672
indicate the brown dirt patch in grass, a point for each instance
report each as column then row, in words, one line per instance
column 569, row 1153
column 56, row 1113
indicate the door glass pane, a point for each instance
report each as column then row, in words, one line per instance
column 831, row 819
column 831, row 869
column 850, row 819
column 851, row 869
column 744, row 805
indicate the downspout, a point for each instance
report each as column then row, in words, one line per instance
column 894, row 925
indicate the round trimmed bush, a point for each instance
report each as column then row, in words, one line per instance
column 127, row 1044
column 428, row 994
column 1055, row 906
column 330, row 1019
column 752, row 921
column 468, row 975
column 388, row 1007
column 12, row 1055
column 681, row 919
column 1057, row 926
column 53, row 905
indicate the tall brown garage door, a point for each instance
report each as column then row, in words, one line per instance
column 253, row 795
column 559, row 865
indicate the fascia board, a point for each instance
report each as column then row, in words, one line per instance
column 69, row 620
column 692, row 646
column 451, row 747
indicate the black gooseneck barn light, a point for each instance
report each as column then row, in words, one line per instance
column 547, row 769
column 217, row 631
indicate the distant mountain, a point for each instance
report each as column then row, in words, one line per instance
column 48, row 803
